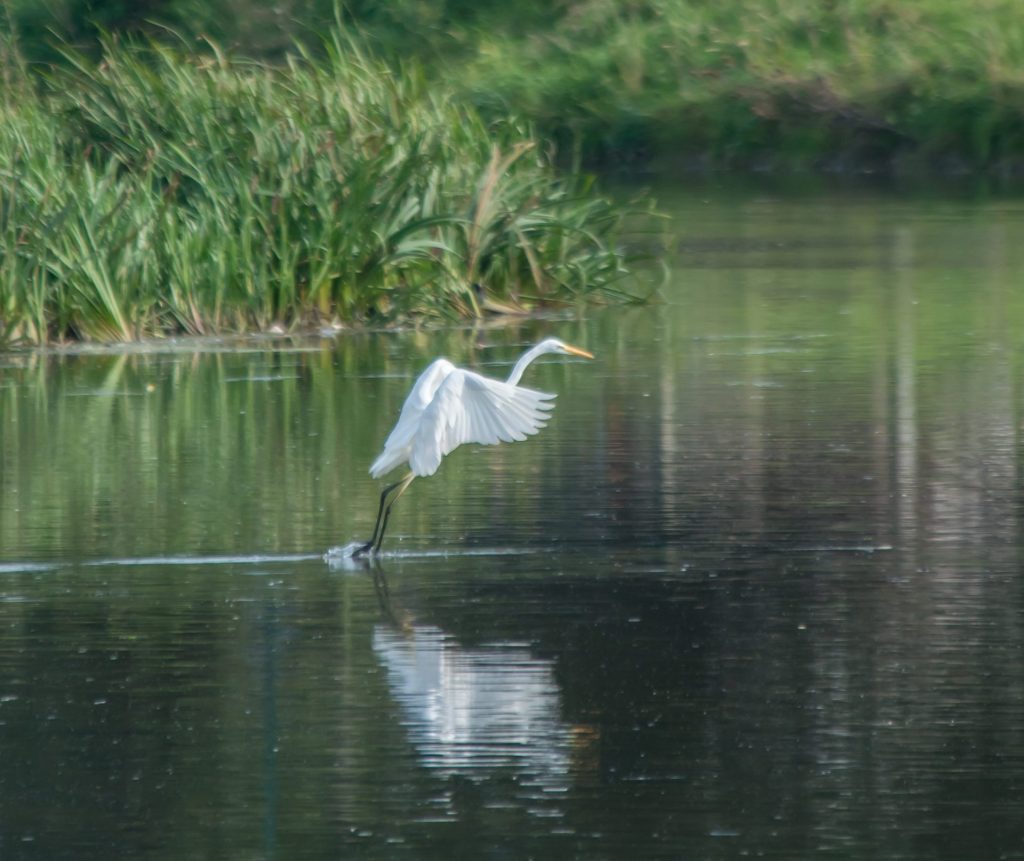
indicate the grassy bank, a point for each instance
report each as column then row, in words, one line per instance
column 783, row 83
column 154, row 192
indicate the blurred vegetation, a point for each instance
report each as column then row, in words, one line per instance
column 752, row 83
column 783, row 83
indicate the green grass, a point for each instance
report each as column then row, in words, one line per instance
column 157, row 192
column 776, row 83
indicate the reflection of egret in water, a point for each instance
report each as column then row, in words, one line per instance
column 473, row 712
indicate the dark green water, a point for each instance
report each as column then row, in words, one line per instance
column 757, row 589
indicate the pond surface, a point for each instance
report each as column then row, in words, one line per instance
column 756, row 590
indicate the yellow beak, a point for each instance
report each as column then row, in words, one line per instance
column 576, row 351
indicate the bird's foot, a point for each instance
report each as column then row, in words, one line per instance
column 363, row 549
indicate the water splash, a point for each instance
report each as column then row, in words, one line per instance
column 345, row 558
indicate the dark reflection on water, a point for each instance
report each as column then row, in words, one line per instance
column 757, row 589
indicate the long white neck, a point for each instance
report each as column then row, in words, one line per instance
column 524, row 362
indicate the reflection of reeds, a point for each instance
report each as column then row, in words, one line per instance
column 159, row 193
column 155, row 453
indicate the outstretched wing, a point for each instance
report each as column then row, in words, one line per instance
column 468, row 407
column 399, row 441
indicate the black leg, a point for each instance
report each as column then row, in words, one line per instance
column 402, row 485
column 376, row 525
column 382, row 516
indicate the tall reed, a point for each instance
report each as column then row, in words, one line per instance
column 159, row 192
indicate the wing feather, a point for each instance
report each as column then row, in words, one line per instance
column 470, row 408
column 399, row 442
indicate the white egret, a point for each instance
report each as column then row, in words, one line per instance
column 449, row 406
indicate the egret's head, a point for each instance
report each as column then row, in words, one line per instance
column 553, row 345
